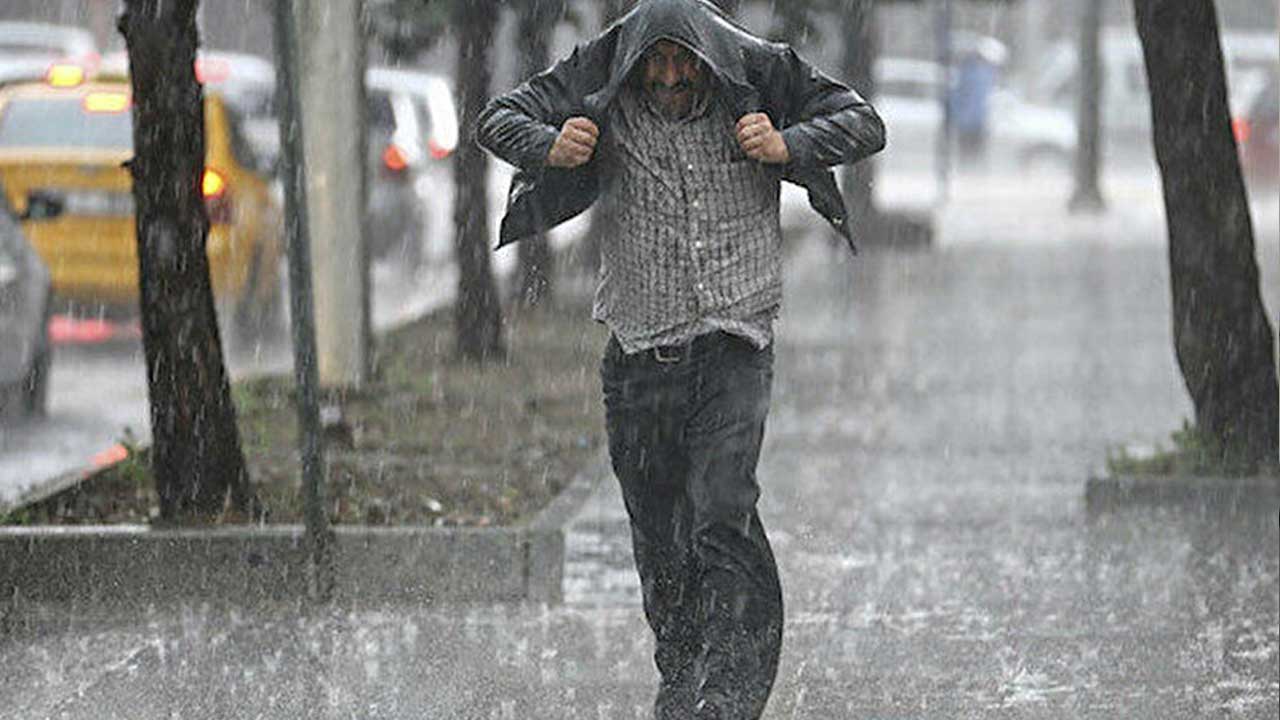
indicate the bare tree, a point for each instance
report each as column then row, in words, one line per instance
column 1087, row 196
column 196, row 456
column 1224, row 342
column 859, row 48
column 535, row 23
column 478, row 308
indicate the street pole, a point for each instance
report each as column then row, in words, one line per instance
column 329, row 36
column 320, row 570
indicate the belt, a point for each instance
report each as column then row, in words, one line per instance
column 674, row 354
column 671, row 354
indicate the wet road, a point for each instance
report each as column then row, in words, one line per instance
column 936, row 416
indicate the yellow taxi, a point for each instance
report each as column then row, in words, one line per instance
column 63, row 140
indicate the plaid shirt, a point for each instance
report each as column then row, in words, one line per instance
column 696, row 244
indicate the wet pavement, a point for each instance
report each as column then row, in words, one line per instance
column 935, row 418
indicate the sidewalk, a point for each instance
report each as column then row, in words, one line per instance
column 935, row 417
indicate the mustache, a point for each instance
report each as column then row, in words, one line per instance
column 677, row 86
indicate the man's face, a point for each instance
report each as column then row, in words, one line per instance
column 673, row 76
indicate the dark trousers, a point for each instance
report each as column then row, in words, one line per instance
column 685, row 428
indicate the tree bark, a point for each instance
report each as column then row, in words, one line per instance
column 1087, row 196
column 536, row 270
column 478, row 315
column 857, row 66
column 196, row 456
column 586, row 255
column 1224, row 341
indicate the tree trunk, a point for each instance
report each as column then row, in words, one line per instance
column 1087, row 196
column 1224, row 342
column 478, row 315
column 196, row 455
column 535, row 273
column 857, row 62
column 586, row 256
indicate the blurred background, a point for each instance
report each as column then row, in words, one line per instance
column 984, row 101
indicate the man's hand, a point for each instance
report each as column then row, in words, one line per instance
column 575, row 145
column 760, row 141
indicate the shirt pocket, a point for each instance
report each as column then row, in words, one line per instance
column 740, row 189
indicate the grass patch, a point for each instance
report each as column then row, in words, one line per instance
column 431, row 441
column 1193, row 454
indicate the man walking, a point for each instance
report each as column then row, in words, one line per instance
column 684, row 125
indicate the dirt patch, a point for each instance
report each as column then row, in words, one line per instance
column 431, row 441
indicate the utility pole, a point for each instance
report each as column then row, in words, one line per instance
column 332, row 101
column 319, row 540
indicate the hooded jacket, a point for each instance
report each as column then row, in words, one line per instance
column 823, row 122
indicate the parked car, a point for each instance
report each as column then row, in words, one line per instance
column 18, row 69
column 61, row 152
column 25, row 303
column 1126, row 104
column 246, row 83
column 47, row 43
column 28, row 50
column 1257, row 127
column 909, row 97
column 413, row 128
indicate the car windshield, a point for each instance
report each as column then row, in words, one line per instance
column 63, row 123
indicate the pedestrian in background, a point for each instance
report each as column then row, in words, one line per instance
column 977, row 75
column 685, row 125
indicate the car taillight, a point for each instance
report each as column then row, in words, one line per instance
column 393, row 159
column 212, row 184
column 438, row 151
column 210, row 71
column 1241, row 128
column 217, row 198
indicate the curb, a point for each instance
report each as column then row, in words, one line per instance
column 49, row 487
column 51, row 574
column 1229, row 495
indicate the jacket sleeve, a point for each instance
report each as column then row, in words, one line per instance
column 828, row 122
column 521, row 126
